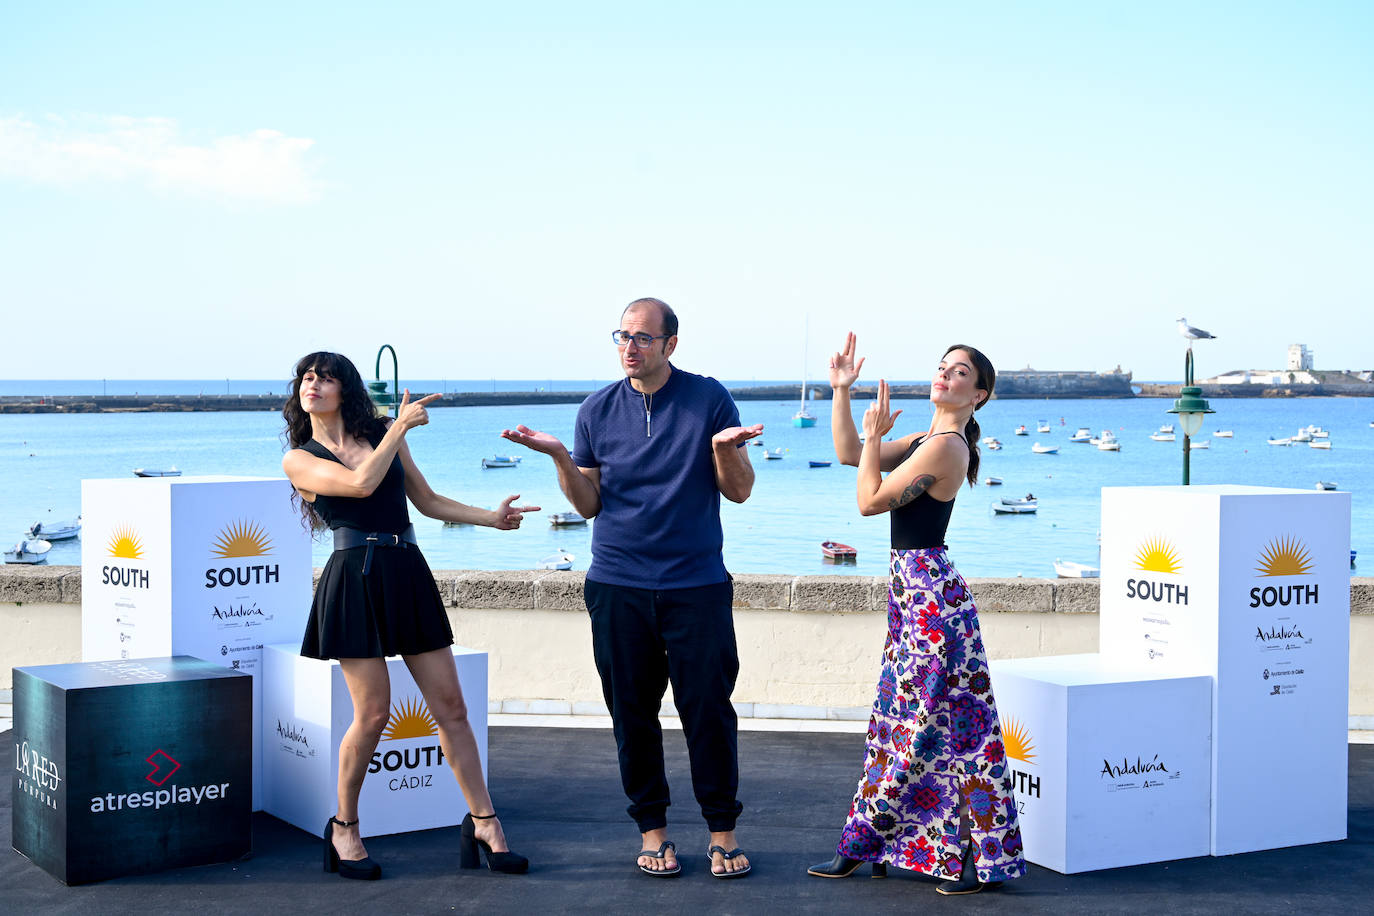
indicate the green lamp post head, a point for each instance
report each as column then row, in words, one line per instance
column 380, row 393
column 1190, row 407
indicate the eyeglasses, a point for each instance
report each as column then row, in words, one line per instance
column 642, row 341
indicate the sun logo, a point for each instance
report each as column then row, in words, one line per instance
column 410, row 719
column 125, row 543
column 1158, row 555
column 242, row 539
column 1017, row 740
column 1284, row 557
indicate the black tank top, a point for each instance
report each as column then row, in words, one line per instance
column 385, row 510
column 921, row 523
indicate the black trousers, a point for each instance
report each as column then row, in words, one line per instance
column 644, row 638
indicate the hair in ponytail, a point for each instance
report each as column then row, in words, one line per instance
column 986, row 381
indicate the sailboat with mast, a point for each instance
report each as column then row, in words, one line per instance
column 803, row 418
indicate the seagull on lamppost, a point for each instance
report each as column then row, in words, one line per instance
column 1192, row 333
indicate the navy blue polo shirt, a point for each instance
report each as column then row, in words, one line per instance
column 659, row 525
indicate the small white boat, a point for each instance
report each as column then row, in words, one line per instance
column 1042, row 426
column 758, row 443
column 501, row 461
column 1302, row 435
column 1167, row 428
column 1004, row 509
column 995, row 446
column 993, row 481
column 1320, row 443
column 1162, row 437
column 55, row 531
column 1068, row 569
column 566, row 519
column 30, row 551
column 157, row 472
column 1280, row 440
column 773, row 454
column 1039, row 449
column 1107, row 442
column 1326, row 485
column 988, row 440
column 1224, row 434
column 1204, row 443
column 1316, row 432
column 1028, row 500
column 1022, row 431
column 1083, row 435
column 560, row 560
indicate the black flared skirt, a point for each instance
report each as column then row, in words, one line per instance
column 395, row 609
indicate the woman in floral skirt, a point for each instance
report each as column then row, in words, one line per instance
column 935, row 795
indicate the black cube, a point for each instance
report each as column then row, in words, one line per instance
column 126, row 767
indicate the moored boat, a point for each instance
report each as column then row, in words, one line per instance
column 1107, row 442
column 1162, row 437
column 501, row 461
column 1022, row 431
column 1083, row 435
column 1320, row 443
column 55, row 531
column 1196, row 444
column 1042, row 426
column 157, row 472
column 560, row 560
column 28, row 552
column 993, row 481
column 1003, row 508
column 1224, row 434
column 1039, row 449
column 1280, row 440
column 1326, row 485
column 834, row 550
column 773, row 454
column 818, row 464
column 994, row 446
column 1068, row 569
column 566, row 519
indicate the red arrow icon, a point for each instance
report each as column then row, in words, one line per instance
column 160, row 760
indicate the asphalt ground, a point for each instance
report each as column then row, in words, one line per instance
column 559, row 798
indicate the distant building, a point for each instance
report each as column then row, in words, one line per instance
column 1299, row 372
column 1299, row 357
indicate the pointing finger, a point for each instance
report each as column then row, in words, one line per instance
column 428, row 399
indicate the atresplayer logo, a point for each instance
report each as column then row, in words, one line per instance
column 242, row 540
column 410, row 719
column 1284, row 556
column 35, row 775
column 162, row 767
column 1158, row 556
column 1020, row 747
column 124, row 544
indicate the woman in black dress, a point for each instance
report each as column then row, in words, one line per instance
column 353, row 472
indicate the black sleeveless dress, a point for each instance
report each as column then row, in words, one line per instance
column 396, row 608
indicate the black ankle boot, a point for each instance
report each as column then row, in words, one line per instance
column 968, row 876
column 508, row 863
column 843, row 867
column 361, row 869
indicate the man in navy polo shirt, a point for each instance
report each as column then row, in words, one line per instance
column 652, row 455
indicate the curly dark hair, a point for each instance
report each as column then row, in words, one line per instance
column 987, row 381
column 359, row 415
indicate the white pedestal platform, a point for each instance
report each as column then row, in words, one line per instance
column 1250, row 586
column 1111, row 767
column 409, row 785
column 211, row 567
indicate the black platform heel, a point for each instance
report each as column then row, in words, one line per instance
column 508, row 863
column 843, row 867
column 360, row 869
column 968, row 882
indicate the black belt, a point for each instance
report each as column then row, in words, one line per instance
column 348, row 538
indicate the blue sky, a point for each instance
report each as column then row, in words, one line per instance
column 192, row 193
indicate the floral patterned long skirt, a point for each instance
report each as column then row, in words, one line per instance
column 934, row 736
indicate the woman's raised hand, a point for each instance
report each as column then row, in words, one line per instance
column 843, row 370
column 878, row 420
column 410, row 415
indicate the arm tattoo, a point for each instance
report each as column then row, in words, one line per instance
column 913, row 490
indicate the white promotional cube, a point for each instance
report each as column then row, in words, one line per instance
column 1111, row 767
column 1250, row 585
column 211, row 567
column 408, row 786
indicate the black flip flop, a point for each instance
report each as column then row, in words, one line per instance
column 740, row 873
column 661, row 854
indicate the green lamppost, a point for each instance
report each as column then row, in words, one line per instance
column 378, row 390
column 1190, row 406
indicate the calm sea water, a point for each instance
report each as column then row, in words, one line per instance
column 794, row 507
